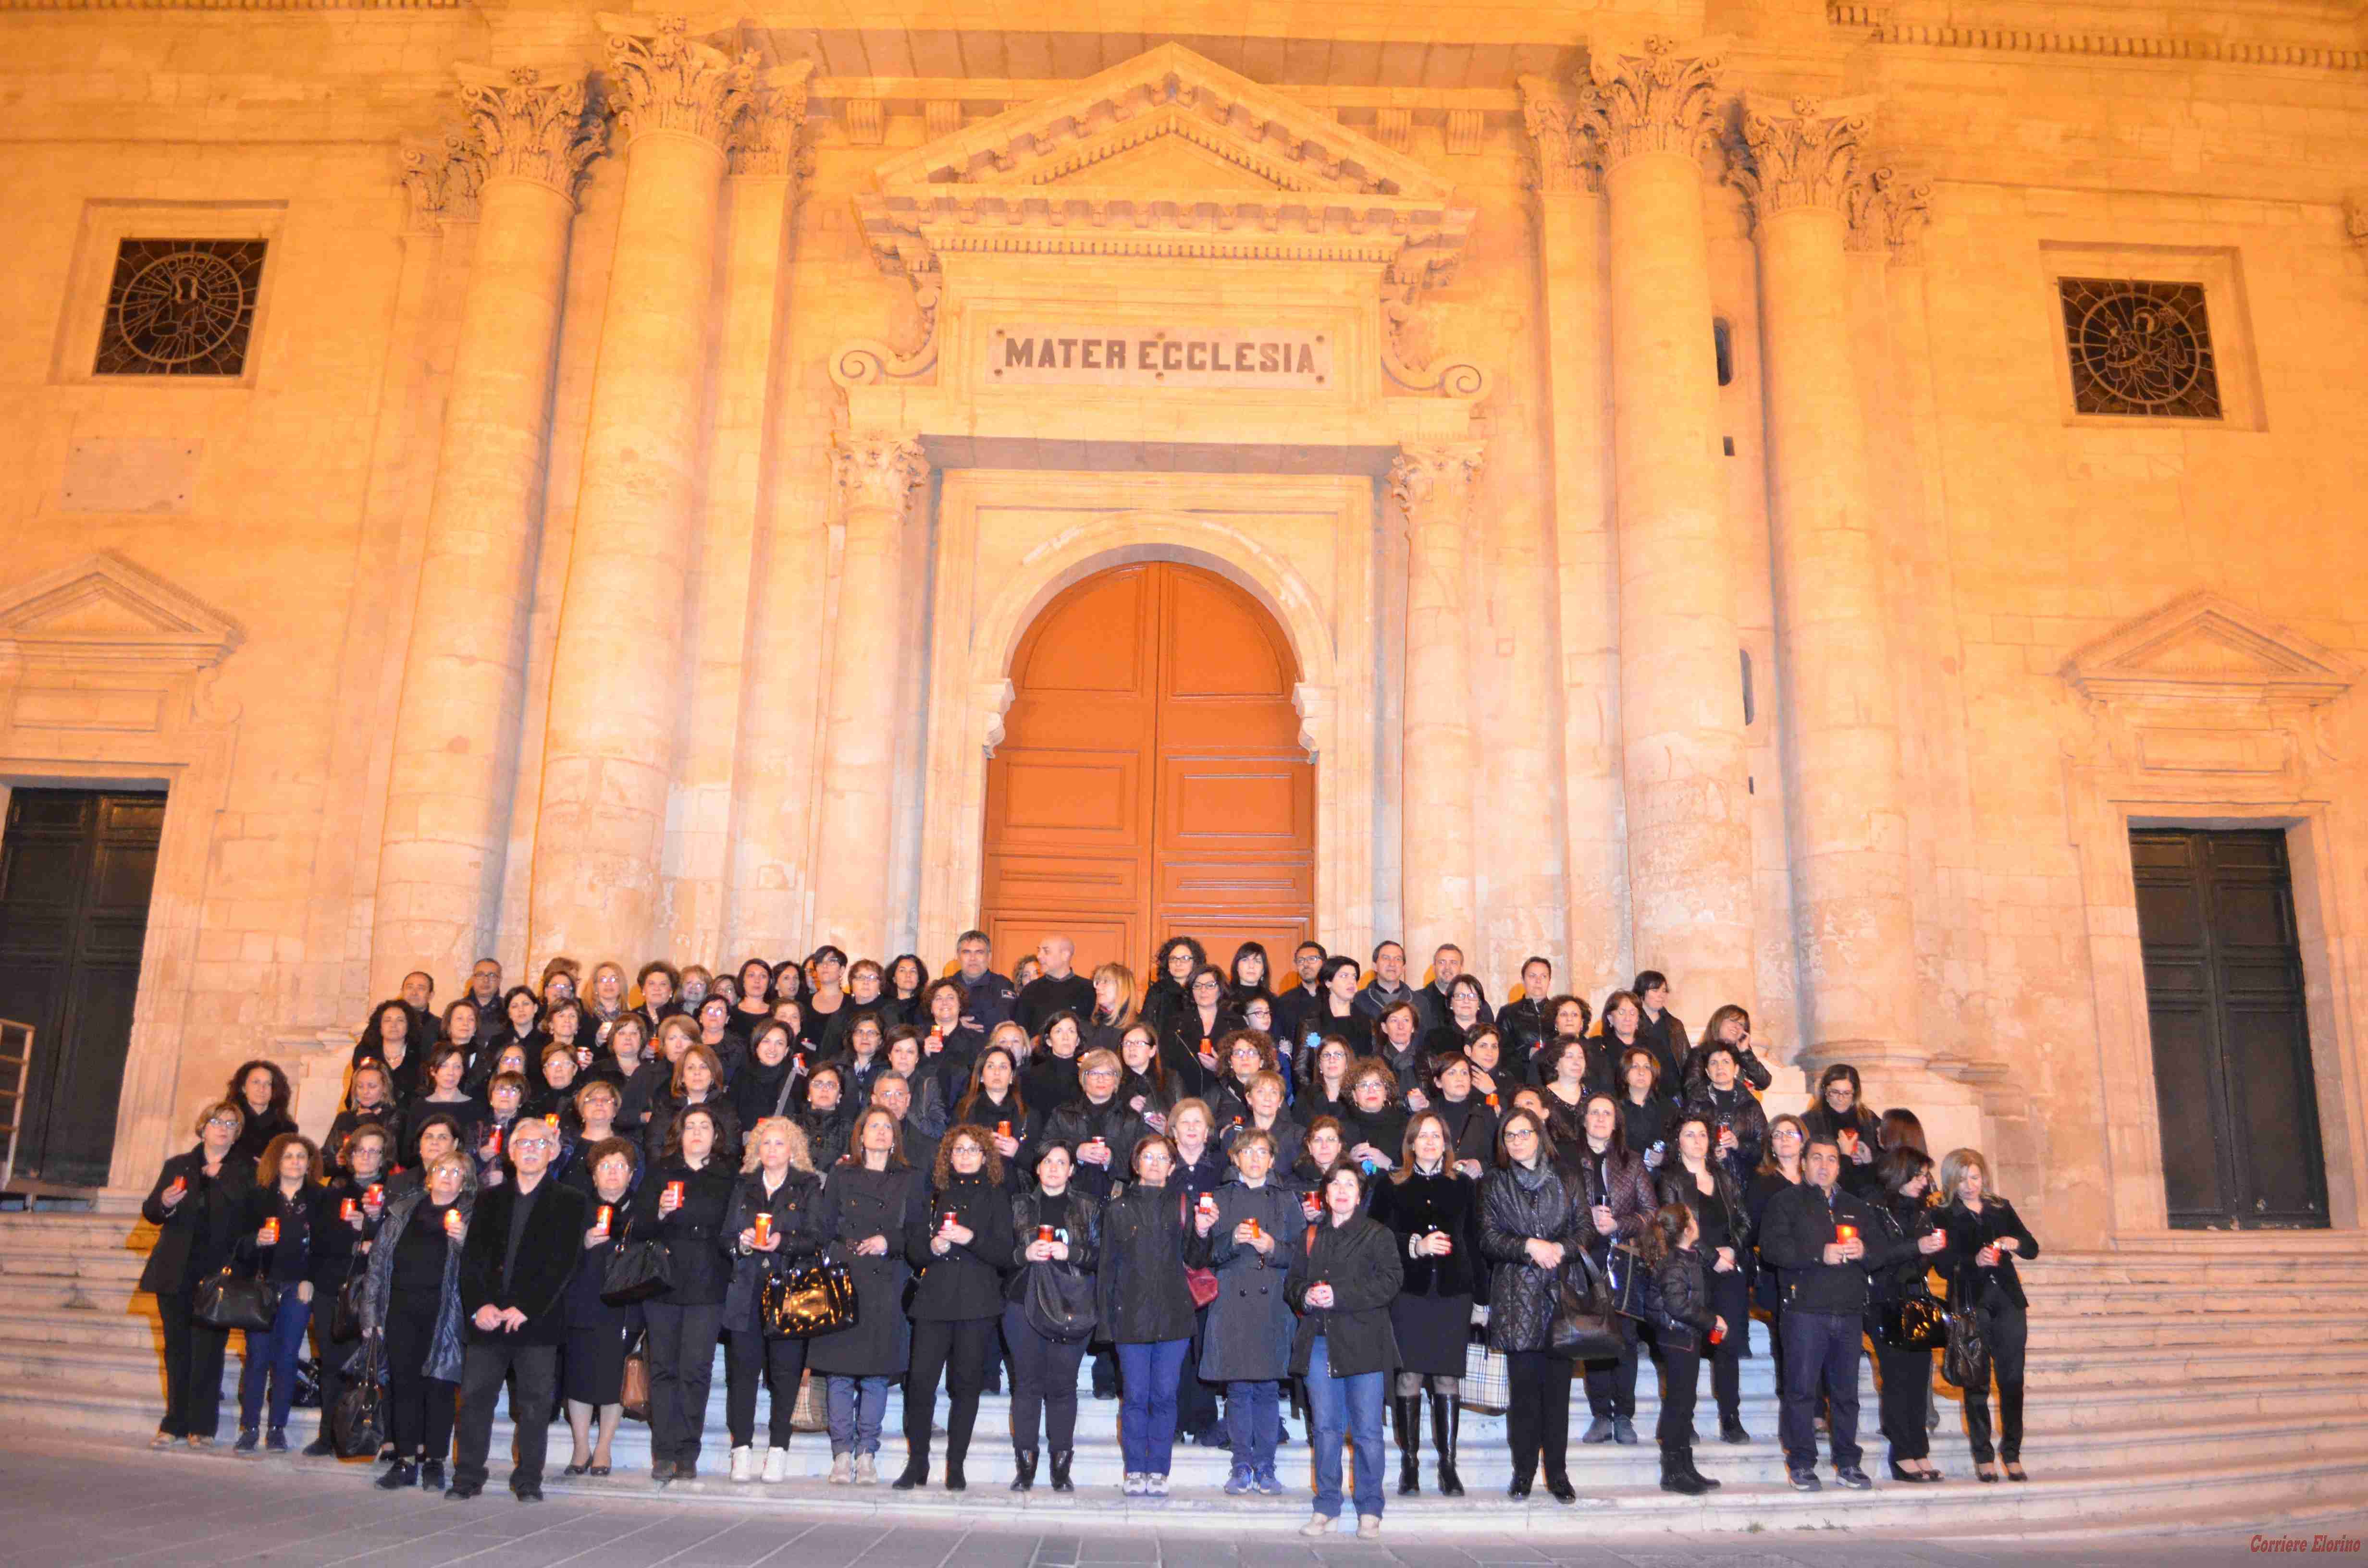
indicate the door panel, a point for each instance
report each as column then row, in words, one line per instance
column 1151, row 780
column 2233, row 1076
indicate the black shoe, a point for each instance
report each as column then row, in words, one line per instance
column 1405, row 1419
column 1023, row 1470
column 1446, row 1417
column 1854, row 1478
column 275, row 1440
column 1519, row 1488
column 400, row 1476
column 686, row 1470
column 1678, row 1476
column 1564, row 1492
column 1730, row 1430
column 321, row 1449
column 955, row 1480
column 1061, row 1471
column 461, row 1492
column 917, row 1474
column 431, row 1475
column 1913, row 1477
column 662, row 1471
column 1805, row 1480
column 529, row 1493
column 1694, row 1472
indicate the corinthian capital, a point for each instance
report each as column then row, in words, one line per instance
column 770, row 139
column 1433, row 484
column 525, row 128
column 877, row 473
column 1802, row 153
column 440, row 179
column 1888, row 213
column 664, row 79
column 1661, row 98
column 1562, row 142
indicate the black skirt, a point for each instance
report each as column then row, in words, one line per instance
column 1432, row 1332
column 596, row 1364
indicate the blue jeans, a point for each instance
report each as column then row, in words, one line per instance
column 1146, row 1421
column 273, row 1352
column 1251, row 1417
column 1349, row 1408
column 857, row 1406
column 1821, row 1352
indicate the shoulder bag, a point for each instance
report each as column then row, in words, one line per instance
column 1916, row 1324
column 1965, row 1358
column 636, row 1271
column 1584, row 1327
column 1631, row 1283
column 1059, row 1303
column 635, row 1392
column 359, row 1424
column 229, row 1300
column 807, row 1299
column 1202, row 1282
column 346, row 1313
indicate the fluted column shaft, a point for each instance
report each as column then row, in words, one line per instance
column 1680, row 702
column 616, row 672
column 1432, row 486
column 877, row 476
column 454, row 756
column 1845, row 797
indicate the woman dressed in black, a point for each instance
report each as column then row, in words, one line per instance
column 597, row 1333
column 1530, row 1210
column 774, row 1223
column 197, row 1206
column 411, row 1305
column 872, row 1198
column 1724, row 1223
column 960, row 1248
column 1433, row 1210
column 682, row 1206
column 1907, row 1176
column 1054, row 1227
column 1985, row 1236
column 262, row 1093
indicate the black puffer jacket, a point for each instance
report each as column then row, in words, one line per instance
column 1682, row 1315
column 1359, row 1261
column 1074, row 1218
column 1516, row 1208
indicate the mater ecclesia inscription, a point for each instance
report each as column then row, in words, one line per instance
column 1023, row 355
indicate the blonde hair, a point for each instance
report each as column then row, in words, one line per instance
column 801, row 1152
column 458, row 1161
column 1175, row 1114
column 1953, row 1169
column 1124, row 979
column 1097, row 1059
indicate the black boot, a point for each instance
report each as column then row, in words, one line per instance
column 1061, row 1470
column 1406, row 1416
column 1023, row 1469
column 917, row 1472
column 1678, row 1474
column 955, row 1480
column 1704, row 1481
column 401, row 1475
column 1446, row 1418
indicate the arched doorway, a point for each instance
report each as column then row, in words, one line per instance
column 1150, row 781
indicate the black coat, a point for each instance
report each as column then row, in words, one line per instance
column 665, row 1108
column 1472, row 1124
column 1619, row 1181
column 694, row 1234
column 1248, row 1335
column 1682, row 1317
column 1740, row 1109
column 1969, row 1233
column 1859, row 1178
column 1423, row 1204
column 1080, row 1122
column 1799, row 1224
column 197, row 1235
column 547, row 1254
column 859, row 1202
column 1359, row 1260
column 1181, row 1044
column 1523, row 1296
column 1146, row 1246
column 966, row 1282
column 257, row 1135
column 796, row 1207
column 1724, row 1218
column 1074, row 1218
column 1907, row 1277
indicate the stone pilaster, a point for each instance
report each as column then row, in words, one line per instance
column 454, row 762
column 617, row 675
column 1681, row 686
column 1432, row 486
column 877, row 474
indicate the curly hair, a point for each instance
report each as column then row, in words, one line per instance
column 941, row 1174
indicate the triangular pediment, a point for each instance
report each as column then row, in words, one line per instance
column 104, row 611
column 1165, row 161
column 2202, row 644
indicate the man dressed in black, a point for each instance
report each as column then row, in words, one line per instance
column 1059, row 989
column 523, row 1243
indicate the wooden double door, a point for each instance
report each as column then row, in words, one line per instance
column 1151, row 782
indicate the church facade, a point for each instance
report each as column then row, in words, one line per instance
column 1851, row 505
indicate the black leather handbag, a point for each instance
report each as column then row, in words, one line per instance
column 1059, row 1304
column 1965, row 1359
column 1631, row 1283
column 807, row 1299
column 1916, row 1324
column 230, row 1299
column 636, row 1271
column 1585, row 1326
column 345, row 1315
column 359, row 1424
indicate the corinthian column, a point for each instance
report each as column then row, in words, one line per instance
column 1846, row 812
column 456, row 727
column 1681, row 686
column 877, row 475
column 616, row 672
column 1432, row 486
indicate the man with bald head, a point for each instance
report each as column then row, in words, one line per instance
column 1059, row 989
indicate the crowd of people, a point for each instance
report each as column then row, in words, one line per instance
column 1331, row 1200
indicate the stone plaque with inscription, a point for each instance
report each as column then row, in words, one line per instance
column 1240, row 358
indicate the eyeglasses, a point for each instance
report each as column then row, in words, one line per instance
column 232, row 1122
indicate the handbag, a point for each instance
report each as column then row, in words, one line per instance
column 807, row 1299
column 1202, row 1282
column 229, row 1300
column 1584, row 1327
column 359, row 1424
column 346, row 1313
column 1631, row 1283
column 1487, row 1384
column 1916, row 1324
column 636, row 1271
column 307, row 1395
column 634, row 1393
column 1059, row 1304
column 1966, row 1361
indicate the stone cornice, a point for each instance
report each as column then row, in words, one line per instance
column 522, row 127
column 664, row 79
column 1876, row 20
column 1799, row 154
column 1663, row 98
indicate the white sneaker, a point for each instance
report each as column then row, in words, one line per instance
column 1369, row 1527
column 744, row 1465
column 777, row 1466
column 1154, row 1485
column 1133, row 1483
column 1318, row 1526
column 867, row 1470
column 842, row 1469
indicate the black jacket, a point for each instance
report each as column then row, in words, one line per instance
column 966, row 1283
column 1749, row 1071
column 1824, row 1126
column 1359, row 1260
column 694, row 1234
column 1473, row 1123
column 797, row 1211
column 1903, row 1219
column 1682, row 1317
column 547, row 1255
column 1969, row 1233
column 257, row 1135
column 197, row 1235
column 1420, row 1205
column 290, row 1261
column 858, row 1203
column 1522, row 1296
column 1074, row 1218
column 1147, row 1244
column 1740, row 1109
column 1080, row 1123
column 1800, row 1222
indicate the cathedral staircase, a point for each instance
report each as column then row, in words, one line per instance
column 2196, row 1382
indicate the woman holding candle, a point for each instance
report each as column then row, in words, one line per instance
column 411, row 1305
column 870, row 1198
column 1344, row 1349
column 1150, row 1236
column 597, row 1333
column 682, row 1207
column 1530, row 1215
column 1246, row 1343
column 959, row 1249
column 775, row 1221
column 1433, row 1211
column 282, row 1221
column 197, row 1206
column 1985, row 1236
column 1902, row 1216
column 1054, row 1227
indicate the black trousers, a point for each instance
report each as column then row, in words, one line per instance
column 483, row 1371
column 1043, row 1385
column 1681, row 1380
column 955, row 1351
column 1730, row 1298
column 1196, row 1402
column 419, row 1408
column 750, row 1355
column 1906, row 1379
column 1611, row 1385
column 1537, row 1423
column 327, row 1354
column 2006, row 1329
column 193, row 1370
column 682, row 1369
